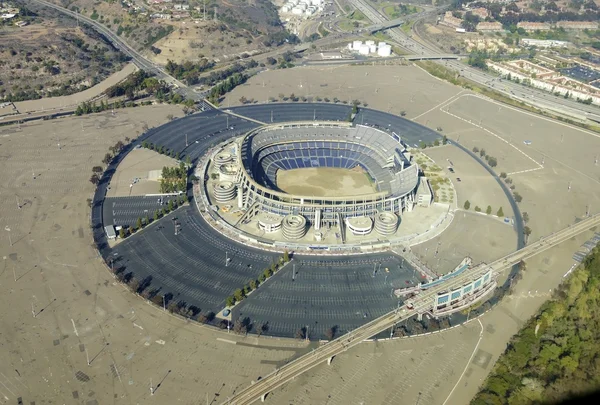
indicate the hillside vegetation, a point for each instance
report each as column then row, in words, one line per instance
column 557, row 354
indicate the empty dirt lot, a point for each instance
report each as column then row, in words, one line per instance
column 476, row 185
column 324, row 182
column 388, row 88
column 556, row 173
column 138, row 164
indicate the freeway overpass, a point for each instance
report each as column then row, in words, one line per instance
column 425, row 302
column 433, row 56
column 384, row 25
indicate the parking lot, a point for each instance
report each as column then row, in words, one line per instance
column 125, row 211
column 328, row 292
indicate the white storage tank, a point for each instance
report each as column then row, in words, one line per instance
column 363, row 49
column 370, row 42
column 373, row 48
column 381, row 43
column 310, row 10
column 297, row 10
column 285, row 9
column 385, row 50
column 294, row 2
column 356, row 45
column 316, row 2
column 350, row 46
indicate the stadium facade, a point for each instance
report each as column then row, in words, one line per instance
column 244, row 175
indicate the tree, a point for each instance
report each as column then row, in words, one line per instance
column 436, row 142
column 300, row 333
column 240, row 327
column 170, row 205
column 444, row 140
column 467, row 205
column 138, row 224
column 107, row 158
column 156, row 215
column 492, row 161
column 488, row 210
column 146, row 220
column 238, row 295
column 526, row 232
column 517, row 197
column 97, row 169
column 122, row 233
column 94, row 179
column 482, row 152
column 477, row 209
column 500, row 213
column 230, row 301
column 525, row 217
column 261, row 327
column 253, row 284
column 286, row 256
column 188, row 160
column 330, row 333
column 503, row 175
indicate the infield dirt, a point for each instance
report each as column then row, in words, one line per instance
column 325, row 182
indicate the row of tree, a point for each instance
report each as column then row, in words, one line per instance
column 88, row 107
column 241, row 293
column 488, row 210
column 226, row 86
column 114, row 151
column 491, row 161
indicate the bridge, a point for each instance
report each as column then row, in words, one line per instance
column 389, row 24
column 423, row 303
column 435, row 56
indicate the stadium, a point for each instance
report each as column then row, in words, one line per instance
column 313, row 182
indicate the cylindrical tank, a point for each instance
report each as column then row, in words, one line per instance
column 385, row 50
column 356, row 45
column 363, row 49
column 373, row 48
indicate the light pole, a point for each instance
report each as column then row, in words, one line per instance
column 7, row 229
column 164, row 305
column 226, row 259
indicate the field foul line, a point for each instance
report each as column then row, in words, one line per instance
column 492, row 133
column 523, row 171
column 441, row 105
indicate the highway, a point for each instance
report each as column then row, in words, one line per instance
column 538, row 98
column 422, row 303
column 140, row 61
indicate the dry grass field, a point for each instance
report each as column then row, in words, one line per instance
column 324, row 182
column 387, row 88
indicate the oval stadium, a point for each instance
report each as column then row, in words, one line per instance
column 292, row 181
column 261, row 188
